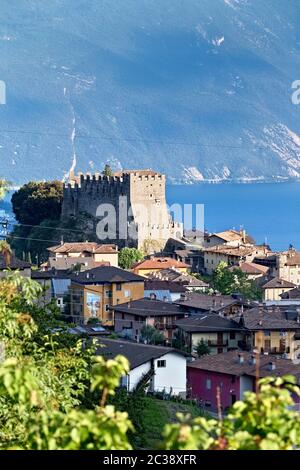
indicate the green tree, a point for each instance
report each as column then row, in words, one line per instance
column 129, row 256
column 262, row 421
column 228, row 281
column 45, row 374
column 223, row 279
column 151, row 335
column 107, row 171
column 35, row 201
column 202, row 348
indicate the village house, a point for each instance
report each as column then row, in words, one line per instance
column 190, row 282
column 186, row 252
column 194, row 236
column 87, row 255
column 162, row 369
column 228, row 238
column 156, row 264
column 274, row 288
column 225, row 305
column 288, row 266
column 218, row 333
column 254, row 272
column 55, row 284
column 271, row 331
column 292, row 294
column 233, row 373
column 231, row 255
column 163, row 290
column 131, row 317
column 94, row 292
column 283, row 265
column 14, row 264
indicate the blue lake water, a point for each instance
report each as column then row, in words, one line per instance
column 268, row 211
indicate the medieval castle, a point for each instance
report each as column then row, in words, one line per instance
column 138, row 198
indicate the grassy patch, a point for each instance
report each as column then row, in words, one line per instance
column 157, row 413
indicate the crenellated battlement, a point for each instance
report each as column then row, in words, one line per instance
column 145, row 189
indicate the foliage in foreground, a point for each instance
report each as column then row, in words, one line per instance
column 46, row 376
column 263, row 421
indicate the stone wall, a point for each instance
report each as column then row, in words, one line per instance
column 148, row 222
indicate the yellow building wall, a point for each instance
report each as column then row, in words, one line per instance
column 274, row 294
column 275, row 337
column 108, row 295
column 111, row 258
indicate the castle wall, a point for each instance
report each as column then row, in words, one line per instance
column 149, row 223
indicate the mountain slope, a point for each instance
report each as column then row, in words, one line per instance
column 199, row 90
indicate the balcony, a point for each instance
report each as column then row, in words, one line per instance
column 276, row 350
column 164, row 326
column 217, row 344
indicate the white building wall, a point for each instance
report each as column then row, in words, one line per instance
column 171, row 378
column 246, row 385
column 136, row 374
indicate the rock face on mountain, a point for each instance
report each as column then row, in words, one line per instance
column 199, row 90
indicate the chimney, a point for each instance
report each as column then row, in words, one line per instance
column 244, row 236
column 214, row 302
column 253, row 359
column 272, row 366
column 241, row 359
column 183, row 297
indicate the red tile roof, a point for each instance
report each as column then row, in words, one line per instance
column 79, row 247
column 160, row 263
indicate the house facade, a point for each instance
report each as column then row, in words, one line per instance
column 88, row 255
column 164, row 369
column 271, row 331
column 275, row 288
column 218, row 333
column 228, row 238
column 232, row 374
column 156, row 264
column 94, row 292
column 231, row 255
column 131, row 317
column 225, row 305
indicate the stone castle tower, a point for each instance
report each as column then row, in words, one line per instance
column 138, row 199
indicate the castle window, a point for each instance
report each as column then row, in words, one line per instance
column 119, row 286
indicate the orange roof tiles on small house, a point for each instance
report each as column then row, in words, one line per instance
column 148, row 266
